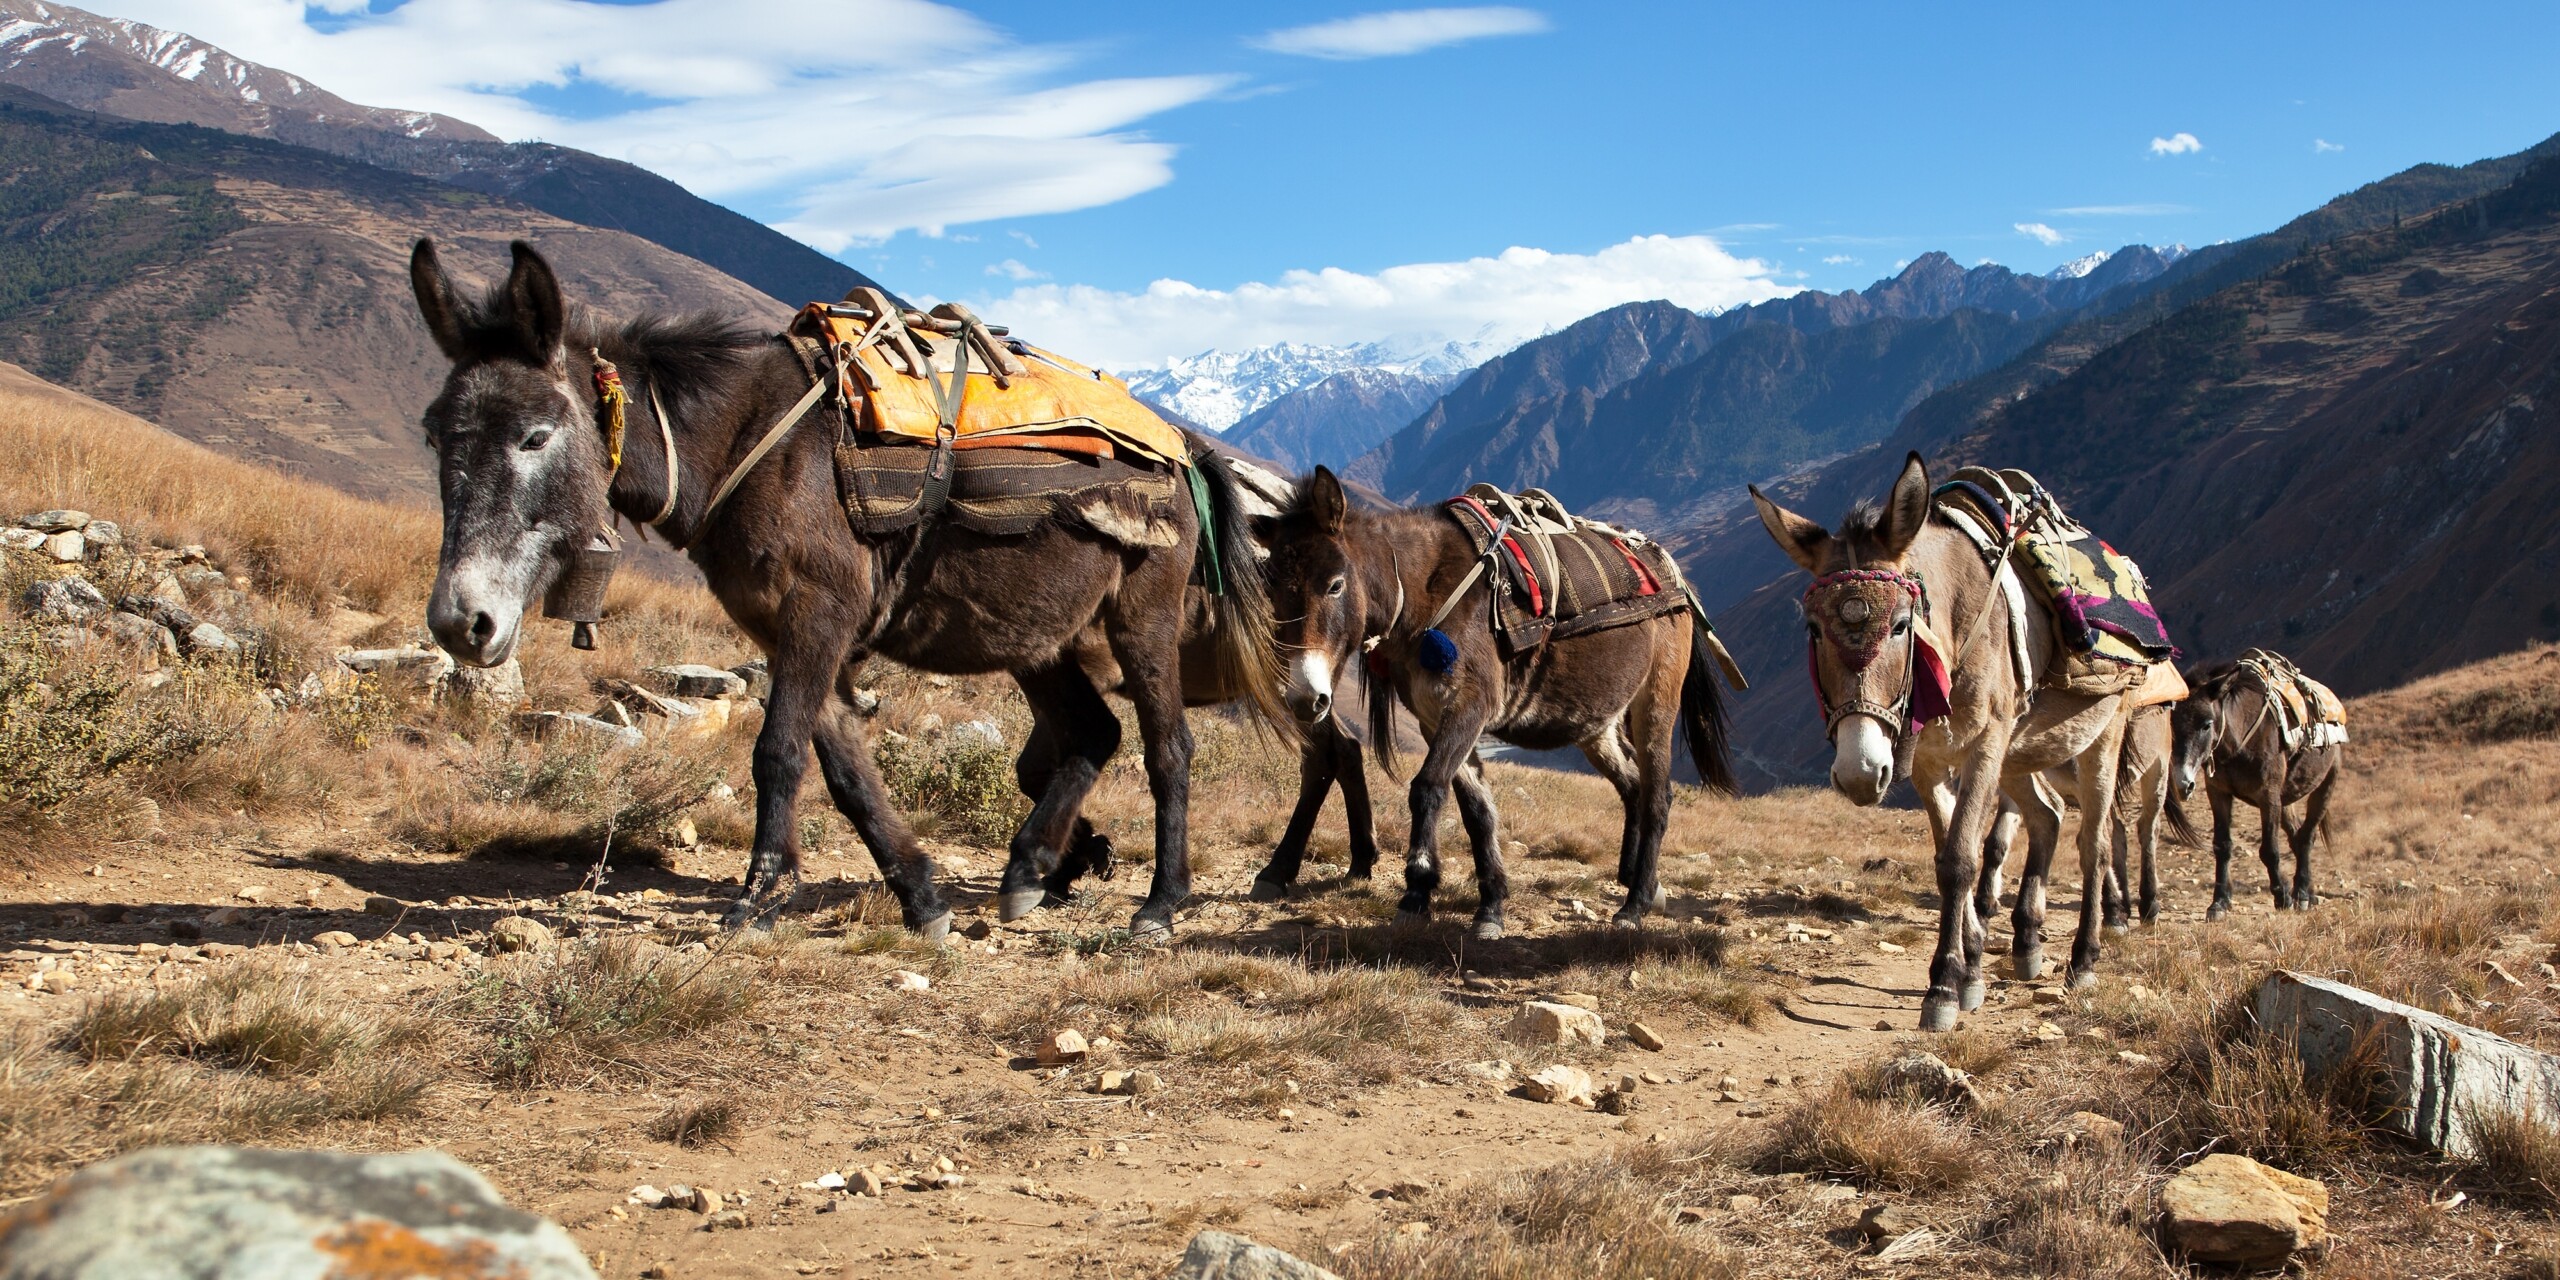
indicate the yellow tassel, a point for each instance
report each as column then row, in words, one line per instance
column 610, row 400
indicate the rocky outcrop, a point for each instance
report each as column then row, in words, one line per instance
column 2437, row 1075
column 234, row 1213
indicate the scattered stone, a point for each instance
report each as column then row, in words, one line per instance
column 866, row 703
column 16, row 539
column 2498, row 975
column 863, row 1182
column 647, row 1197
column 1219, row 1255
column 2435, row 1076
column 517, row 933
column 1884, row 1024
column 1741, row 1203
column 1891, row 948
column 376, row 904
column 421, row 669
column 205, row 640
column 222, row 917
column 1928, row 1077
column 909, row 980
column 232, row 1211
column 59, row 520
column 67, row 547
column 1413, row 1231
column 497, row 688
column 2050, row 996
column 2128, row 1057
column 2048, row 1032
column 1494, row 1071
column 2092, row 1129
column 1548, row 1022
column 2232, row 1209
column 1646, row 1038
column 1830, row 1192
column 694, row 680
column 543, row 726
column 333, row 939
column 1690, row 1214
column 1885, row 1223
column 103, row 533
column 142, row 633
column 758, row 675
column 691, row 1199
column 978, row 930
column 1567, row 1086
column 72, row 599
column 1062, row 1048
column 1406, row 1189
column 727, row 1220
column 1578, row 999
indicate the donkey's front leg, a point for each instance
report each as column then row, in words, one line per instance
column 2040, row 810
column 1484, row 836
column 2315, row 809
column 1075, row 737
column 844, row 759
column 1319, row 762
column 2271, row 841
column 1452, row 741
column 1959, row 870
column 2220, row 799
column 802, row 678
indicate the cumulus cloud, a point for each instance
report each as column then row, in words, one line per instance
column 2176, row 144
column 1508, row 298
column 2322, row 146
column 1400, row 32
column 2040, row 233
column 843, row 123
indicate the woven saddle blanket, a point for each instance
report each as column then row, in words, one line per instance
column 1562, row 575
column 894, row 379
column 2309, row 713
column 1007, row 491
column 2100, row 602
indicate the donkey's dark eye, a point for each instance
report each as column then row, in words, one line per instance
column 1334, row 588
column 1901, row 625
column 540, row 437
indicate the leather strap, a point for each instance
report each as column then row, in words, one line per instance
column 675, row 475
column 772, row 437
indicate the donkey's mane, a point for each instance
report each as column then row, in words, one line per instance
column 1862, row 529
column 691, row 359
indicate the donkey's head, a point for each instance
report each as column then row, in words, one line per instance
column 1318, row 600
column 2196, row 726
column 1859, row 618
column 520, row 461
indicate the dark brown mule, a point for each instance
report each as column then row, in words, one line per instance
column 527, row 479
column 1891, row 576
column 1353, row 587
column 2230, row 731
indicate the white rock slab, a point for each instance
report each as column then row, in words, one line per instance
column 2440, row 1072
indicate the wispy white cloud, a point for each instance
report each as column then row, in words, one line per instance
column 2040, row 233
column 843, row 123
column 1839, row 260
column 1509, row 297
column 1400, row 32
column 2121, row 210
column 2176, row 144
column 2322, row 146
column 1013, row 269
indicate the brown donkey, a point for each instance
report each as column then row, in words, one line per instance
column 2230, row 731
column 528, row 476
column 1354, row 588
column 2142, row 804
column 1890, row 578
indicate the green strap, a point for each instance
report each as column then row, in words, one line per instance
column 1208, row 528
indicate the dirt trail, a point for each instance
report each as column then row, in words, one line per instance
column 1094, row 1185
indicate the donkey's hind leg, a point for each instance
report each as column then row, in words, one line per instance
column 1152, row 678
column 2219, row 797
column 1610, row 752
column 2315, row 812
column 1087, row 849
column 2097, row 769
column 844, row 758
column 2040, row 809
column 1651, row 726
column 804, row 676
column 1074, row 736
column 1319, row 762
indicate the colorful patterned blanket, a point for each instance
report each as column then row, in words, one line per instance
column 2100, row 601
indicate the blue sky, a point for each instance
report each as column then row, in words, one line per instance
column 1054, row 162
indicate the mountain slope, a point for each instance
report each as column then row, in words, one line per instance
column 1554, row 413
column 139, row 72
column 1338, row 419
column 1218, row 389
column 254, row 296
column 2350, row 457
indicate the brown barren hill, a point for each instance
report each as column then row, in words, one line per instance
column 254, row 296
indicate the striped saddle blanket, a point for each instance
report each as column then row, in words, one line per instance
column 2311, row 714
column 1562, row 575
column 2100, row 602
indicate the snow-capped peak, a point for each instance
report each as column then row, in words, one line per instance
column 1218, row 389
column 2080, row 266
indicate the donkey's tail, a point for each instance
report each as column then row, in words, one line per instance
column 1246, row 649
column 2182, row 828
column 1702, row 714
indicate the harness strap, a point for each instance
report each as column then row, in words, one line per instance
column 946, row 429
column 1449, row 603
column 773, row 436
column 675, row 475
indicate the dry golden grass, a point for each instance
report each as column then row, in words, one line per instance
column 585, row 1012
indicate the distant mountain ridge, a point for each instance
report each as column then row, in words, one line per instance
column 1217, row 389
column 1634, row 413
column 139, row 72
column 1337, row 420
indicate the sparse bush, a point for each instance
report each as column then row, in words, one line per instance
column 566, row 1016
column 73, row 726
column 1604, row 1218
column 1876, row 1142
column 964, row 787
column 696, row 1122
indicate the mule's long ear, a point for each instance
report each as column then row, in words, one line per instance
column 436, row 304
column 541, row 316
column 1802, row 540
column 1906, row 512
column 1325, row 500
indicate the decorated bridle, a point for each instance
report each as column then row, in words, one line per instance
column 1896, row 717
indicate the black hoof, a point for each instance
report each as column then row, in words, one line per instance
column 1408, row 918
column 2217, row 911
column 1268, row 890
column 2304, row 899
column 2027, row 965
column 2081, row 979
column 1486, row 930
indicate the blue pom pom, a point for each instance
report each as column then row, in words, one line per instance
column 1437, row 653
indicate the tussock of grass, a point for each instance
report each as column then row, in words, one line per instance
column 2517, row 1157
column 2081, row 1216
column 696, row 1122
column 568, row 1016
column 1874, row 1142
column 1607, row 1218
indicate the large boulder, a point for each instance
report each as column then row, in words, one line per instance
column 2233, row 1210
column 71, row 599
column 1217, row 1255
column 2436, row 1074
column 694, row 680
column 1548, row 1022
column 235, row 1213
